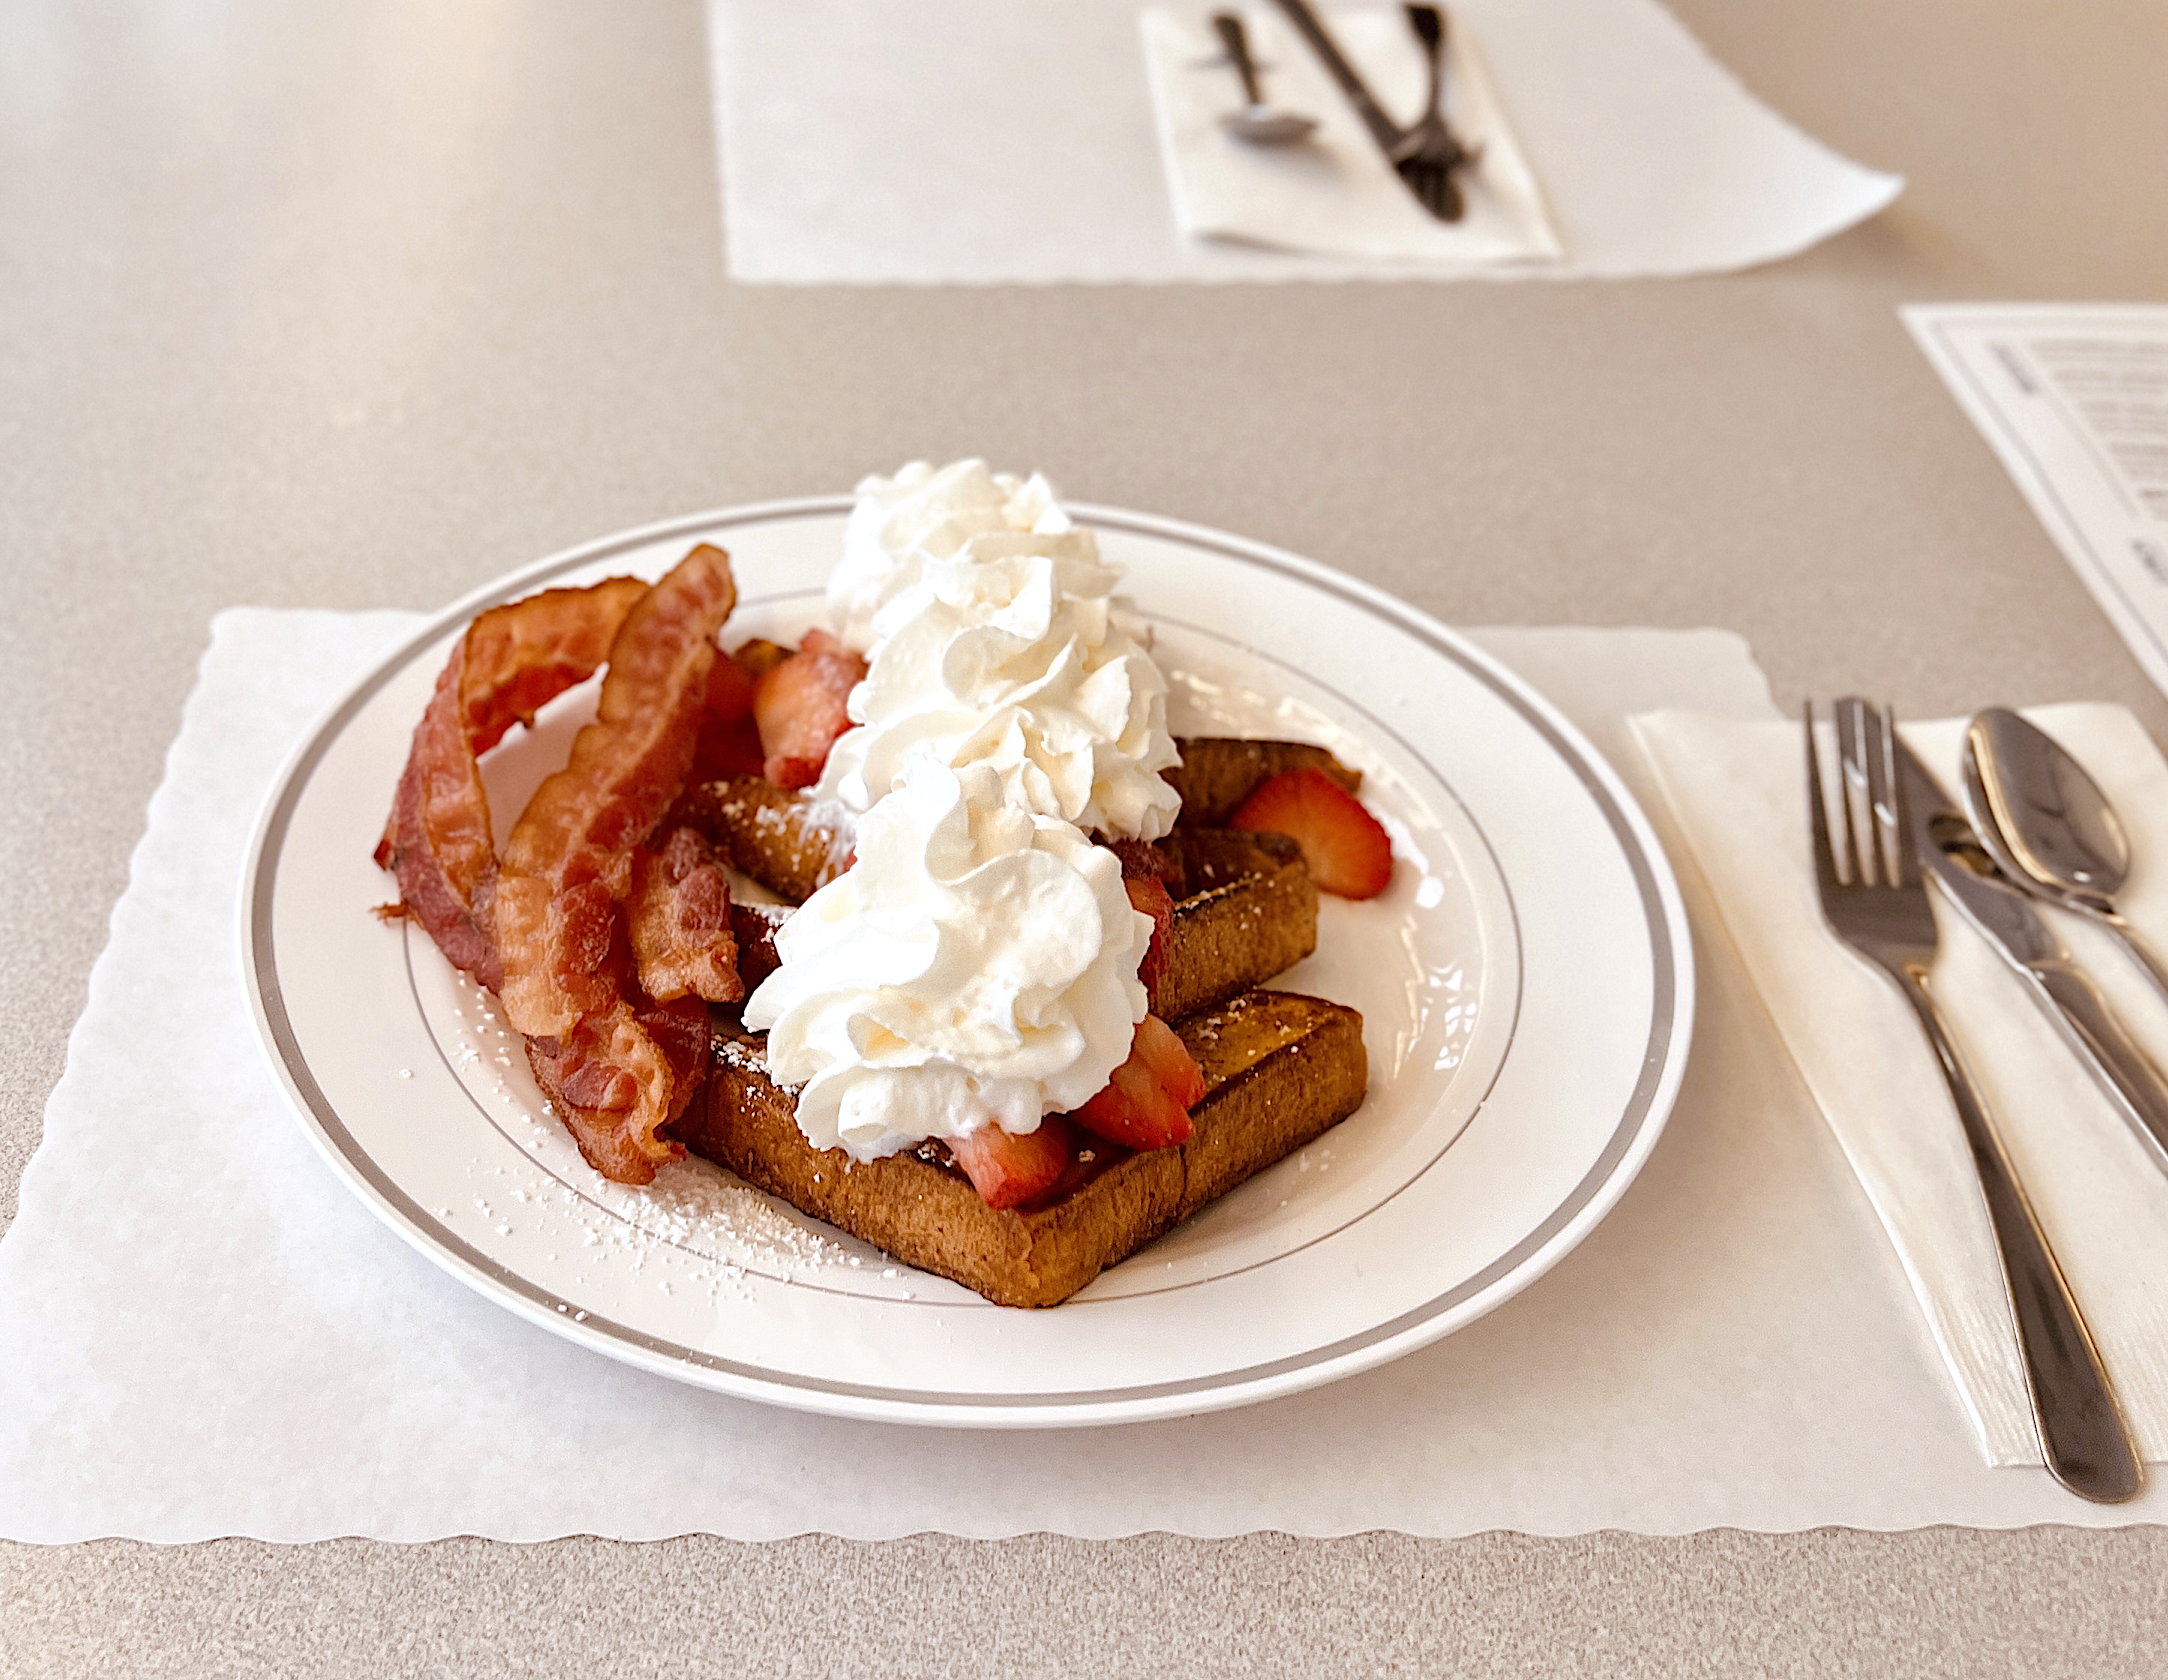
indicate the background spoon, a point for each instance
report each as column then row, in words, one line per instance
column 1258, row 123
column 2047, row 824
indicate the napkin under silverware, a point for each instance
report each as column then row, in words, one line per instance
column 1739, row 794
column 1335, row 194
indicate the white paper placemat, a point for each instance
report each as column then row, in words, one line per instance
column 967, row 141
column 203, row 1334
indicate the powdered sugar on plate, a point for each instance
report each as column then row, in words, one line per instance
column 692, row 1208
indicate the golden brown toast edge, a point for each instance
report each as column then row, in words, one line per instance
column 768, row 832
column 1247, row 911
column 1280, row 1069
column 1219, row 772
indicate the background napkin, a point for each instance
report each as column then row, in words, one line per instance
column 1739, row 792
column 986, row 141
column 1335, row 193
column 203, row 1333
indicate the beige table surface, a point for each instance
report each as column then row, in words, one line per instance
column 362, row 305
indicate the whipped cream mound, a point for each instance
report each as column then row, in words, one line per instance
column 994, row 638
column 979, row 963
column 926, row 512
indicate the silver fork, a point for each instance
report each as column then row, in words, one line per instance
column 1875, row 901
column 1428, row 154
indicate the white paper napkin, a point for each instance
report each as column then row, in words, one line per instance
column 1739, row 792
column 1335, row 193
column 203, row 1333
column 987, row 142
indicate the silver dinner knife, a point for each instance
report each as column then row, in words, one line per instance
column 1386, row 132
column 1949, row 850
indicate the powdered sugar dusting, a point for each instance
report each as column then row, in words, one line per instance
column 696, row 1228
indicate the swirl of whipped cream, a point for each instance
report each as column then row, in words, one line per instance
column 925, row 512
column 997, row 641
column 979, row 962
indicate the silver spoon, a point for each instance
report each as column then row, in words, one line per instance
column 1258, row 123
column 2048, row 826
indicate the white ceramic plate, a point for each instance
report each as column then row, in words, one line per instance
column 1526, row 985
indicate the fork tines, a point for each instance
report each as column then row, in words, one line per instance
column 1870, row 801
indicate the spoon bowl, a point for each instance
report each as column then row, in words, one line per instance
column 2048, row 826
column 2040, row 814
column 1255, row 122
column 1267, row 125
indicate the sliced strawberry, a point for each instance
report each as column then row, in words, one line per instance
column 1148, row 873
column 1007, row 1168
column 1147, row 1102
column 799, row 706
column 729, row 743
column 726, row 749
column 760, row 656
column 1169, row 1061
column 1141, row 860
column 1156, row 902
column 730, row 690
column 1348, row 853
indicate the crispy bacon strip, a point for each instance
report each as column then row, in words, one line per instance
column 568, row 864
column 680, row 923
column 609, row 1066
column 512, row 661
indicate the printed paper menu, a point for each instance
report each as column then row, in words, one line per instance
column 2074, row 400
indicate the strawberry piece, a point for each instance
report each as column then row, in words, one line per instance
column 799, row 707
column 729, row 743
column 1347, row 851
column 1146, row 1103
column 730, row 690
column 1155, row 901
column 1141, row 860
column 725, row 750
column 1168, row 1060
column 1147, row 874
column 1010, row 1168
column 759, row 656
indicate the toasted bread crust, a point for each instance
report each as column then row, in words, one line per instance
column 771, row 833
column 1280, row 1068
column 1246, row 910
column 778, row 838
column 1217, row 773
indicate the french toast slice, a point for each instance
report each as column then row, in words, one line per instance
column 775, row 835
column 1280, row 1068
column 1245, row 907
column 1219, row 772
column 788, row 844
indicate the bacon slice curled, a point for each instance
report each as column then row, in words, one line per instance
column 611, row 1069
column 680, row 922
column 568, row 866
column 512, row 661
